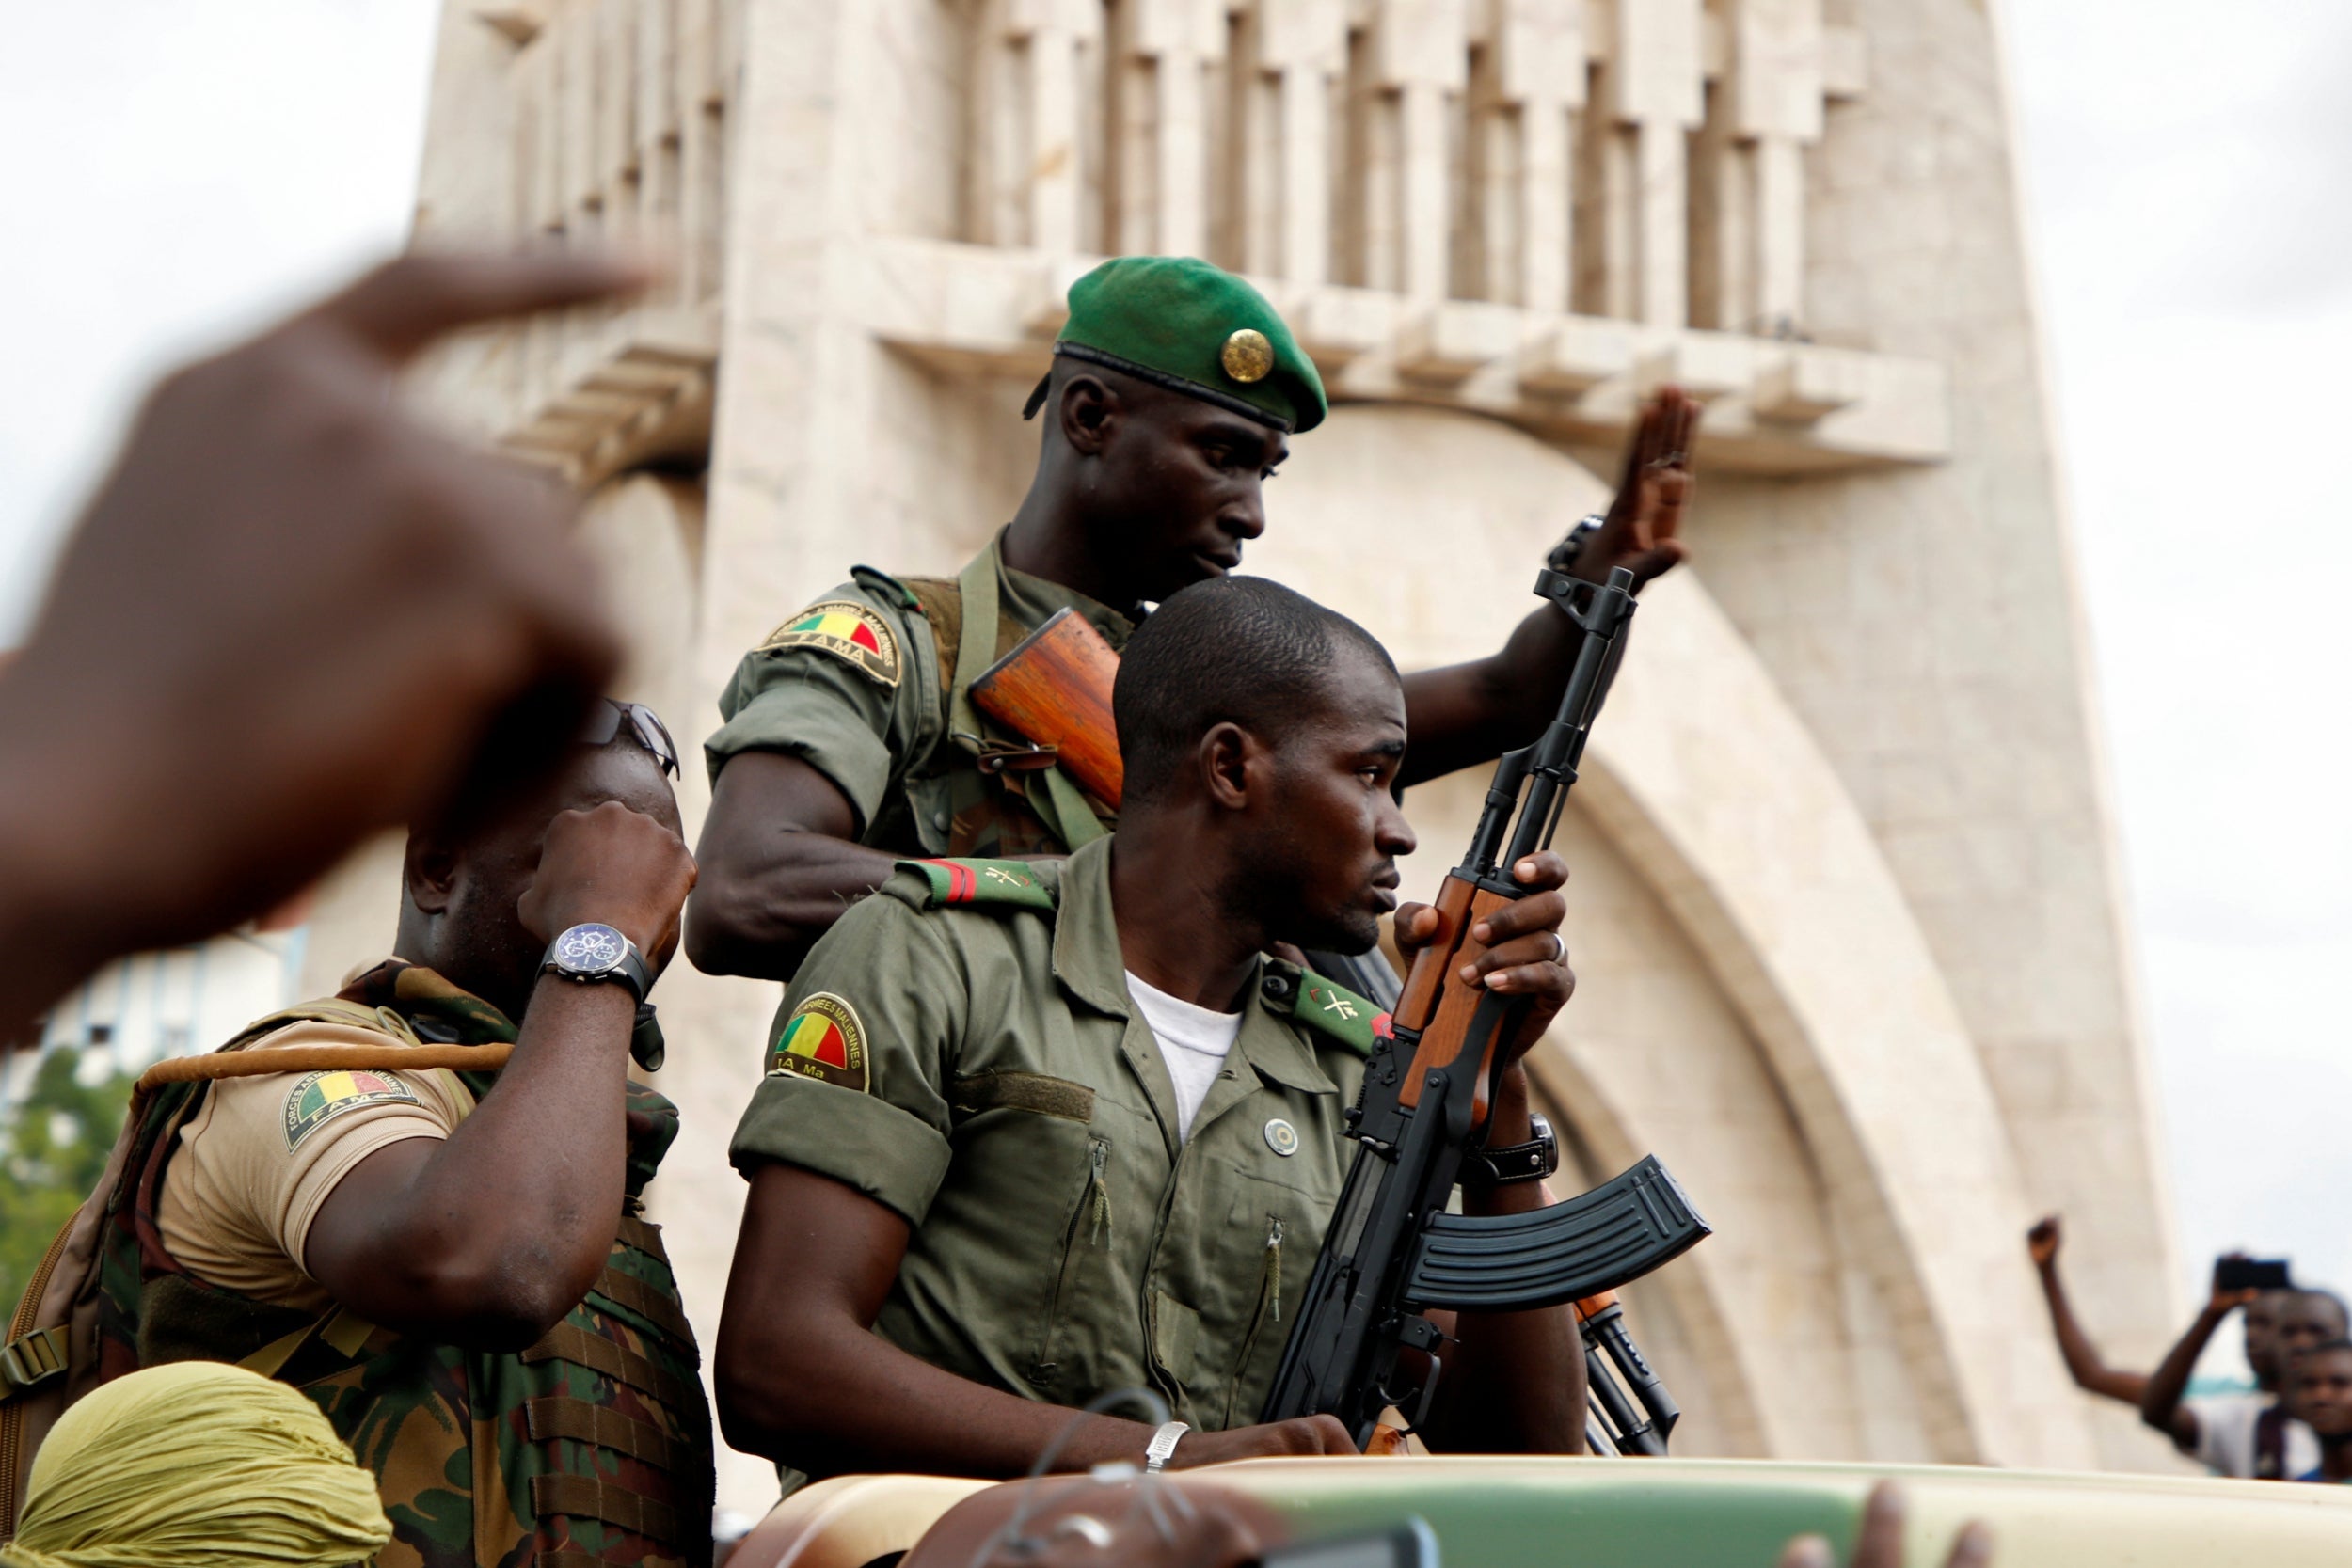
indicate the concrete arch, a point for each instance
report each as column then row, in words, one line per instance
column 1776, row 881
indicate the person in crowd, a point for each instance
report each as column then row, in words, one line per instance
column 2090, row 1373
column 447, row 1258
column 198, row 1466
column 1035, row 1132
column 2242, row 1434
column 2304, row 1320
column 180, row 746
column 851, row 737
column 2318, row 1392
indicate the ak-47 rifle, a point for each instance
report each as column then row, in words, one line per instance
column 1392, row 1253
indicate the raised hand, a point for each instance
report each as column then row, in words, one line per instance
column 288, row 619
column 1643, row 525
column 2223, row 1299
column 615, row 866
column 2041, row 1242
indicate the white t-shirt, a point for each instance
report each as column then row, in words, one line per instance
column 2225, row 1436
column 1193, row 1042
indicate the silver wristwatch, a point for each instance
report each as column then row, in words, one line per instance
column 590, row 952
column 1163, row 1444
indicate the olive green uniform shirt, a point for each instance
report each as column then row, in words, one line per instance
column 857, row 687
column 979, row 1068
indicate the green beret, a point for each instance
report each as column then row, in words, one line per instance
column 1193, row 328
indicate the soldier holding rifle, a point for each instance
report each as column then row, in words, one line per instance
column 989, row 1185
column 851, row 739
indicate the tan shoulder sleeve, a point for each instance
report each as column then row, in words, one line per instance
column 259, row 1160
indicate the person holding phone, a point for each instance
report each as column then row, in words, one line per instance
column 2246, row 1433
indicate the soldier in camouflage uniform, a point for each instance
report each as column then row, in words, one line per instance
column 451, row 1264
column 851, row 739
column 1033, row 1131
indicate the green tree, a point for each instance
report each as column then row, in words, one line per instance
column 53, row 1145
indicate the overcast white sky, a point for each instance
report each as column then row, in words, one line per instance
column 184, row 167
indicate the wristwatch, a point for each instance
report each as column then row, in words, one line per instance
column 1528, row 1161
column 1565, row 554
column 1163, row 1446
column 592, row 952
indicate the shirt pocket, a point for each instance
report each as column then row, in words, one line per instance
column 1081, row 1273
column 1264, row 1252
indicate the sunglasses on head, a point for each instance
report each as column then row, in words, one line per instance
column 605, row 723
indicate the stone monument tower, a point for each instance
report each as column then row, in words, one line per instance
column 1845, row 909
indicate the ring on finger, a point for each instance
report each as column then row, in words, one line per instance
column 1559, row 948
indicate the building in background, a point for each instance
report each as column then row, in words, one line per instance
column 149, row 1005
column 1853, row 960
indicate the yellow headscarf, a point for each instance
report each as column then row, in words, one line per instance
column 195, row 1465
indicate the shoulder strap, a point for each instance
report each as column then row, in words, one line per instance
column 1012, row 883
column 940, row 602
column 1339, row 1014
column 976, row 644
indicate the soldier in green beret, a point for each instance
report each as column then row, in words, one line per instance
column 1035, row 1132
column 851, row 739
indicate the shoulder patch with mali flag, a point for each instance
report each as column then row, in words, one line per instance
column 823, row 1039
column 966, row 881
column 1334, row 1010
column 318, row 1098
column 849, row 631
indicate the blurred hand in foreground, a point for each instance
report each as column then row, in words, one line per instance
column 288, row 617
column 1879, row 1543
column 1080, row 1522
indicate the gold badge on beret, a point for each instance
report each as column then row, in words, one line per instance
column 1247, row 355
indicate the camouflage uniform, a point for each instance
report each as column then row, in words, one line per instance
column 868, row 687
column 591, row 1447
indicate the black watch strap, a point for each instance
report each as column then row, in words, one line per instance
column 629, row 972
column 1528, row 1161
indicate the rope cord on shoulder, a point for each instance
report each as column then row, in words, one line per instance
column 321, row 1058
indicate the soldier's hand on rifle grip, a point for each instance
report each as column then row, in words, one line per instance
column 1523, row 953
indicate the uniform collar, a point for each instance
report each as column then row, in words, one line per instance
column 1269, row 1040
column 1031, row 601
column 1088, row 963
column 1086, row 958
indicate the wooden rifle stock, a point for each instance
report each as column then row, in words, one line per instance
column 1436, row 1003
column 1053, row 690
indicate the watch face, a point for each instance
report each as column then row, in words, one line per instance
column 591, row 949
